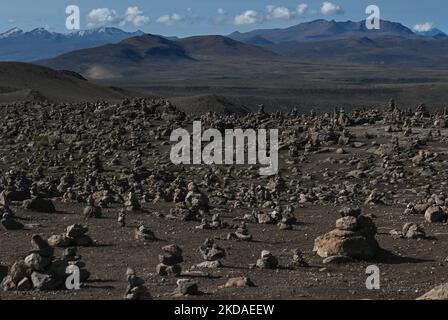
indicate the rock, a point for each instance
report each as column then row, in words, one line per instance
column 135, row 289
column 60, row 240
column 421, row 207
column 242, row 233
column 413, row 231
column 210, row 251
column 435, row 214
column 171, row 255
column 121, row 218
column 36, row 262
column 358, row 243
column 345, row 243
column 350, row 212
column 349, row 223
column 76, row 230
column 240, row 282
column 437, row 293
column 267, row 261
column 186, row 287
column 24, row 285
column 39, row 205
column 337, row 260
column 285, row 224
column 18, row 271
column 264, row 218
column 41, row 246
column 375, row 197
column 132, row 204
column 84, row 241
column 144, row 234
column 43, row 282
column 92, row 212
column 169, row 258
column 8, row 223
column 209, row 265
column 298, row 260
column 164, row 270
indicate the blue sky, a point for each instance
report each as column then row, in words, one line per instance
column 183, row 18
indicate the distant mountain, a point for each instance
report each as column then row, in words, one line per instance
column 319, row 30
column 25, row 82
column 380, row 50
column 37, row 44
column 432, row 33
column 14, row 32
column 219, row 46
column 143, row 54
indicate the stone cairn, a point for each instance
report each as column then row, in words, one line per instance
column 170, row 259
column 121, row 218
column 212, row 254
column 143, row 233
column 186, row 287
column 298, row 260
column 409, row 231
column 40, row 270
column 75, row 236
column 9, row 223
column 92, row 210
column 132, row 203
column 354, row 237
column 135, row 289
column 267, row 261
column 241, row 233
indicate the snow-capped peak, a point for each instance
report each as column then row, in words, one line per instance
column 11, row 33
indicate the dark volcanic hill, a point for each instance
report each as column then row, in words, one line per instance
column 219, row 46
column 319, row 30
column 24, row 82
column 17, row 45
column 149, row 53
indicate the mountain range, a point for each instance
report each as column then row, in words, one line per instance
column 149, row 54
column 17, row 45
column 319, row 30
column 39, row 44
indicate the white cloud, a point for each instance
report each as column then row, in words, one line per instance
column 424, row 27
column 247, row 17
column 301, row 8
column 176, row 18
column 220, row 17
column 171, row 19
column 330, row 8
column 135, row 17
column 102, row 17
column 279, row 13
column 105, row 16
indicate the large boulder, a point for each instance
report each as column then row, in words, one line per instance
column 353, row 237
column 40, row 205
column 435, row 214
column 437, row 293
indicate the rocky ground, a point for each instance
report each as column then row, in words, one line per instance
column 92, row 185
